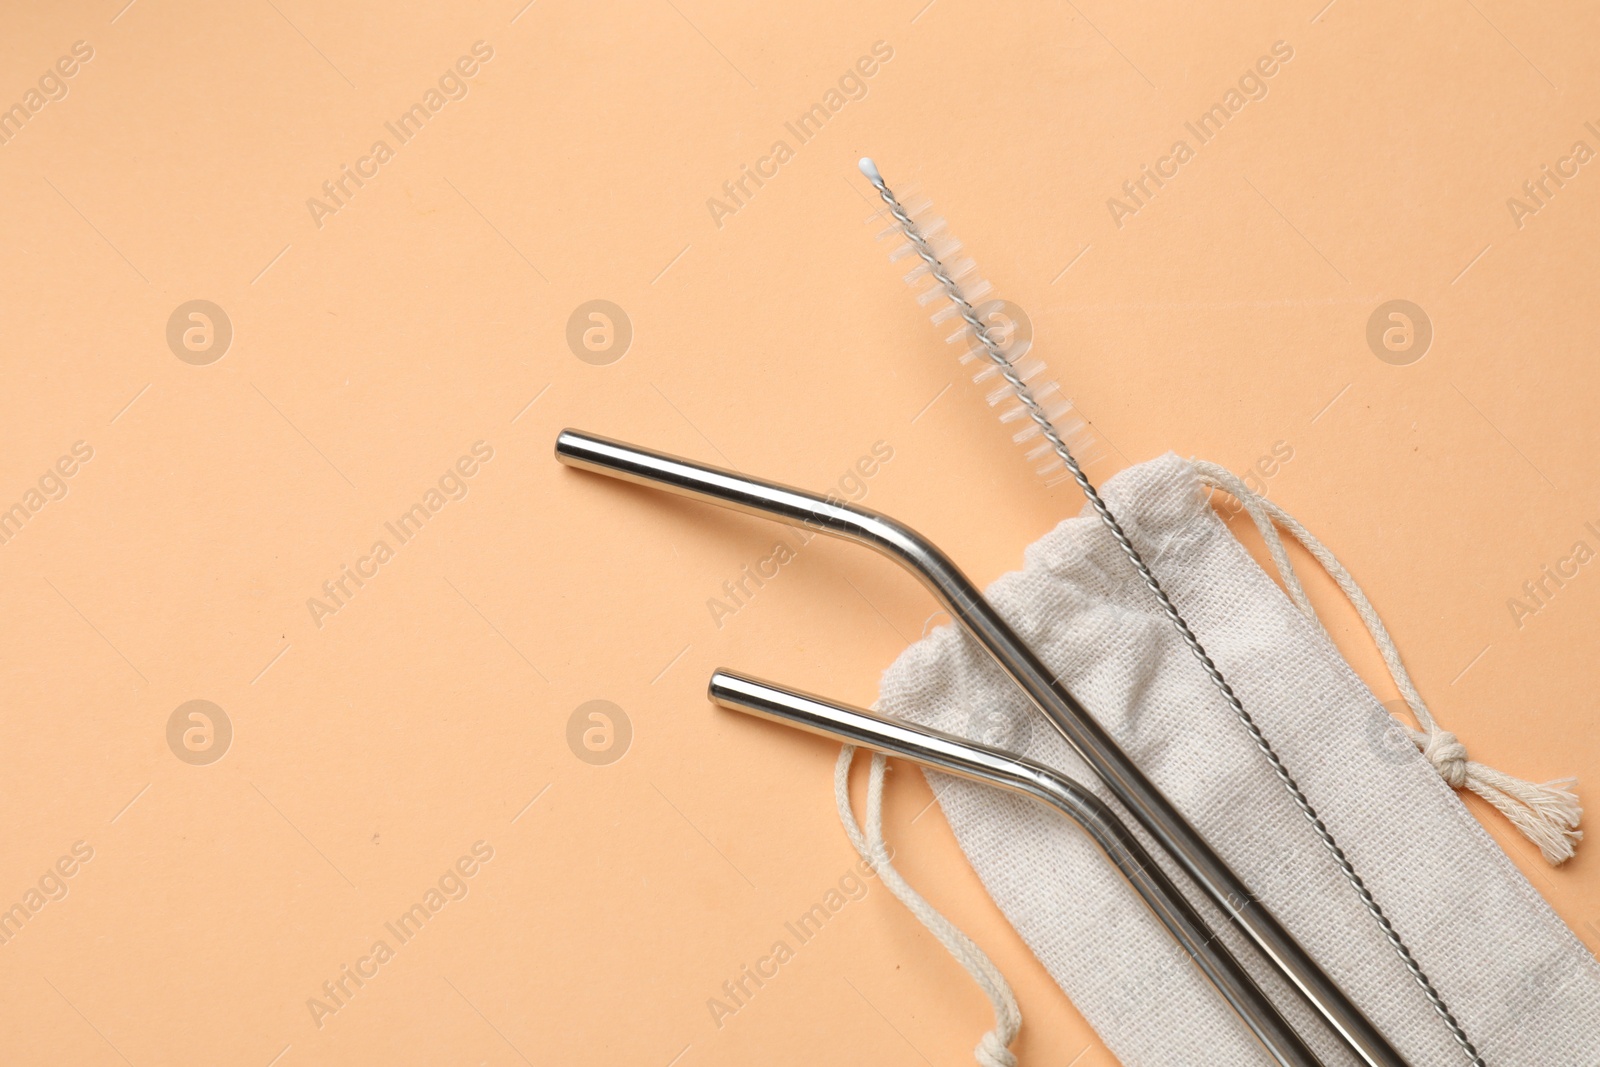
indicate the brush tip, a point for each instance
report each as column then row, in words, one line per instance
column 870, row 169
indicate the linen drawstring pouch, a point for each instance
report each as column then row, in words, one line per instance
column 1525, row 989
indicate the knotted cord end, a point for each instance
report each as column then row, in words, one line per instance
column 1547, row 813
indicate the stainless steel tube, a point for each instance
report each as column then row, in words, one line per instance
column 942, row 751
column 1097, row 748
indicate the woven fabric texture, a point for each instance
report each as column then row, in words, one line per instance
column 1526, row 990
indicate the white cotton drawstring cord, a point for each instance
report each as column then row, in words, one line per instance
column 1546, row 813
column 992, row 1050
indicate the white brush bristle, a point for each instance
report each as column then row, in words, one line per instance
column 1068, row 424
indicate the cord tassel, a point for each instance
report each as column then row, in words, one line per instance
column 1546, row 813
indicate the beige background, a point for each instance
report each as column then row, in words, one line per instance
column 429, row 312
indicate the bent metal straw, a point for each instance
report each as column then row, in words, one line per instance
column 965, row 603
column 993, row 766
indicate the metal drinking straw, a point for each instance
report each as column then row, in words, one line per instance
column 955, row 755
column 1115, row 768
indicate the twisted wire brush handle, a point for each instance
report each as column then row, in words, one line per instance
column 1036, row 412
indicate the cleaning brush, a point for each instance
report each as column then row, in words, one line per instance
column 991, row 334
column 932, row 244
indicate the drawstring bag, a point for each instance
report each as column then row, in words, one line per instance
column 1524, row 987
